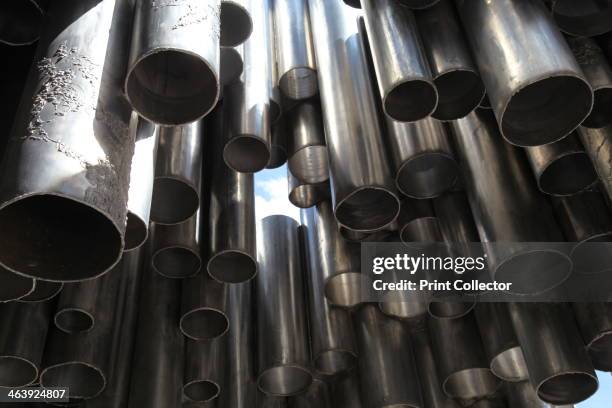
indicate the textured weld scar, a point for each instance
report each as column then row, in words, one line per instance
column 195, row 13
column 587, row 54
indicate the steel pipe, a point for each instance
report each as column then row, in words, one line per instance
column 282, row 327
column 535, row 102
column 561, row 168
column 423, row 158
column 294, row 49
column 268, row 401
column 455, row 75
column 363, row 193
column 278, row 145
column 73, row 191
column 236, row 22
column 21, row 21
column 586, row 220
column 272, row 50
column 231, row 65
column 595, row 324
column 386, row 362
column 404, row 76
column 460, row 358
column 304, row 195
column 500, row 342
column 176, row 248
column 317, row 395
column 500, row 189
column 204, row 365
column 14, row 286
column 178, row 171
column 584, row 18
column 332, row 338
column 43, row 291
column 522, row 395
column 308, row 159
column 418, row 222
column 173, row 74
column 418, row 4
column 203, row 308
column 598, row 72
column 598, row 145
column 23, row 330
column 346, row 391
column 559, row 366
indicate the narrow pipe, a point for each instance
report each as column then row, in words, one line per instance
column 500, row 342
column 386, row 362
column 204, row 365
column 294, row 49
column 595, row 324
column 278, row 145
column 561, row 168
column 346, row 392
column 559, row 366
column 43, row 291
column 173, row 74
column 501, row 191
column 304, row 195
column 308, row 159
column 272, row 50
column 282, row 327
column 586, row 220
column 584, row 18
column 15, row 286
column 317, row 395
column 231, row 65
column 403, row 73
column 176, row 248
column 23, row 330
column 455, row 75
column 535, row 102
column 203, row 308
column 462, row 364
column 363, row 193
column 178, row 171
column 332, row 338
column 423, row 158
column 598, row 144
column 236, row 22
column 598, row 72
column 73, row 192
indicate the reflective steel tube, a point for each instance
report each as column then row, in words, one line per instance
column 178, row 171
column 559, row 366
column 23, row 330
column 386, row 362
column 268, row 401
column 586, row 220
column 345, row 391
column 462, row 364
column 278, row 145
column 561, row 168
column 598, row 144
column 294, row 49
column 158, row 351
column 500, row 189
column 598, row 72
column 236, row 22
column 14, row 286
column 173, row 75
column 231, row 65
column 318, row 395
column 595, row 324
column 582, row 18
column 272, row 50
column 535, row 102
column 454, row 71
column 73, row 190
column 282, row 327
column 363, row 193
column 331, row 331
column 203, row 308
column 304, row 195
column 423, row 158
column 404, row 77
column 418, row 4
column 176, row 248
column 308, row 159
column 43, row 291
column 500, row 342
column 204, row 365
column 20, row 21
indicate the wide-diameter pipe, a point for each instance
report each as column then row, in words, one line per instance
column 231, row 65
column 561, row 168
column 308, row 159
column 73, row 192
column 178, row 171
column 404, row 77
column 176, row 248
column 236, row 22
column 462, row 364
column 203, row 308
column 305, row 195
column 173, row 74
column 423, row 158
column 20, row 21
column 598, row 144
column 363, row 192
column 346, row 392
column 500, row 342
column 455, row 75
column 317, row 395
column 43, row 291
column 595, row 324
column 22, row 341
column 15, row 286
column 537, row 102
column 294, row 49
column 332, row 338
column 501, row 190
column 559, row 366
column 204, row 365
column 282, row 327
column 586, row 220
column 582, row 18
column 386, row 362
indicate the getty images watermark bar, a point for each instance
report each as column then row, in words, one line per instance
column 34, row 394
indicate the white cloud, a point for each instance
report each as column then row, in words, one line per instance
column 271, row 197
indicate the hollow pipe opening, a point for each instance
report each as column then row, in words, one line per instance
column 590, row 259
column 345, row 289
column 307, row 195
column 331, row 362
column 201, row 390
column 367, row 208
column 232, row 266
column 299, row 83
column 73, row 320
column 509, row 365
column 204, row 323
column 600, row 350
column 600, row 115
column 567, row 388
column 450, row 310
column 410, row 100
column 427, row 175
column 568, row 175
column 470, row 383
column 236, row 24
column 284, row 380
column 20, row 21
column 84, row 380
column 310, row 164
column 231, row 65
column 459, row 92
column 174, row 200
column 278, row 156
column 17, row 372
column 176, row 262
column 246, row 154
column 136, row 232
column 43, row 291
column 14, row 286
column 584, row 17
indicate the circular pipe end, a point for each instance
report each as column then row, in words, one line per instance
column 84, row 380
column 568, row 175
column 74, row 320
column 333, row 362
column 450, row 310
column 284, row 380
column 583, row 18
column 600, row 350
column 204, row 323
column 509, row 365
column 310, row 164
column 367, row 208
column 299, row 83
column 17, row 372
column 232, row 266
column 43, row 291
column 427, row 175
column 73, row 241
column 470, row 383
column 201, row 390
column 567, row 387
column 278, row 156
column 459, row 92
column 236, row 24
column 15, row 286
column 400, row 306
column 600, row 115
column 136, row 232
column 20, row 22
column 176, row 262
column 174, row 200
column 345, row 289
column 308, row 195
column 246, row 154
column 231, row 65
column 589, row 259
column 410, row 100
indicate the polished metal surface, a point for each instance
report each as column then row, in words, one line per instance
column 20, row 21
column 346, row 392
column 297, row 68
column 521, row 394
column 363, row 193
column 598, row 144
column 176, row 248
column 317, row 395
column 236, row 22
column 418, row 4
column 559, row 366
column 230, row 65
column 204, row 365
column 178, row 171
column 173, row 75
column 278, row 144
column 404, row 77
column 14, row 286
column 305, row 195
column 536, row 87
column 455, row 75
column 582, row 18
column 43, row 291
column 282, row 327
column 271, row 47
column 595, row 324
